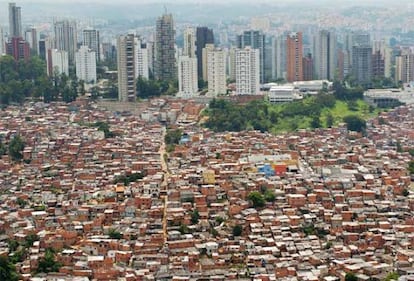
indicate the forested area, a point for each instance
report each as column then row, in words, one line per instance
column 28, row 79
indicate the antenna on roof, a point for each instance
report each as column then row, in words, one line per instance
column 165, row 8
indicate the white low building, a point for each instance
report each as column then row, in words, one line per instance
column 283, row 93
column 389, row 97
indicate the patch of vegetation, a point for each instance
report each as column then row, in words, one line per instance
column 48, row 263
column 257, row 199
column 195, row 216
column 355, row 123
column 114, row 234
column 7, row 270
column 127, row 179
column 104, row 127
column 320, row 111
column 237, row 230
column 350, row 277
column 173, row 136
column 15, row 148
column 147, row 88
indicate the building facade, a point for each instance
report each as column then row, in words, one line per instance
column 165, row 62
column 126, row 68
column 66, row 38
column 86, row 64
column 57, row 62
column 18, row 48
column 362, row 64
column 324, row 54
column 247, row 71
column 15, row 21
column 204, row 36
column 187, row 76
column 92, row 40
column 404, row 71
column 216, row 72
column 256, row 40
column 294, row 55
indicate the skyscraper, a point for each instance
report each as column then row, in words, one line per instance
column 204, row 36
column 294, row 55
column 86, row 64
column 66, row 38
column 247, row 71
column 31, row 37
column 362, row 63
column 256, row 40
column 279, row 57
column 165, row 63
column 126, row 68
column 187, row 76
column 405, row 66
column 57, row 62
column 189, row 42
column 15, row 21
column 216, row 72
column 141, row 59
column 324, row 54
column 308, row 68
column 2, row 51
column 187, row 66
column 91, row 39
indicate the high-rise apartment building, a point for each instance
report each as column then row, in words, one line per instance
column 208, row 47
column 141, row 59
column 57, row 62
column 18, row 48
column 189, row 42
column 324, row 54
column 256, row 40
column 2, row 44
column 308, row 67
column 31, row 37
column 216, row 72
column 187, row 76
column 381, row 48
column 91, row 39
column 86, row 64
column 404, row 71
column 247, row 71
column 204, row 36
column 294, row 55
column 279, row 57
column 362, row 63
column 165, row 62
column 66, row 38
column 126, row 68
column 15, row 21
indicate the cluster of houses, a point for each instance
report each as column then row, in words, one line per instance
column 119, row 206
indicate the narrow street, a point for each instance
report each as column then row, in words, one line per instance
column 164, row 185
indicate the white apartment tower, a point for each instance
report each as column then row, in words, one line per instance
column 187, row 76
column 141, row 59
column 187, row 66
column 126, row 67
column 247, row 71
column 86, row 65
column 57, row 62
column 216, row 72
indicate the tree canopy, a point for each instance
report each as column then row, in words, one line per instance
column 24, row 79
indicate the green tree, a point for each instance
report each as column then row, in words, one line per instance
column 329, row 120
column 237, row 230
column 173, row 136
column 392, row 276
column 269, row 196
column 257, row 199
column 114, row 234
column 355, row 123
column 48, row 263
column 16, row 147
column 7, row 270
column 195, row 216
column 315, row 122
column 411, row 167
column 350, row 277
